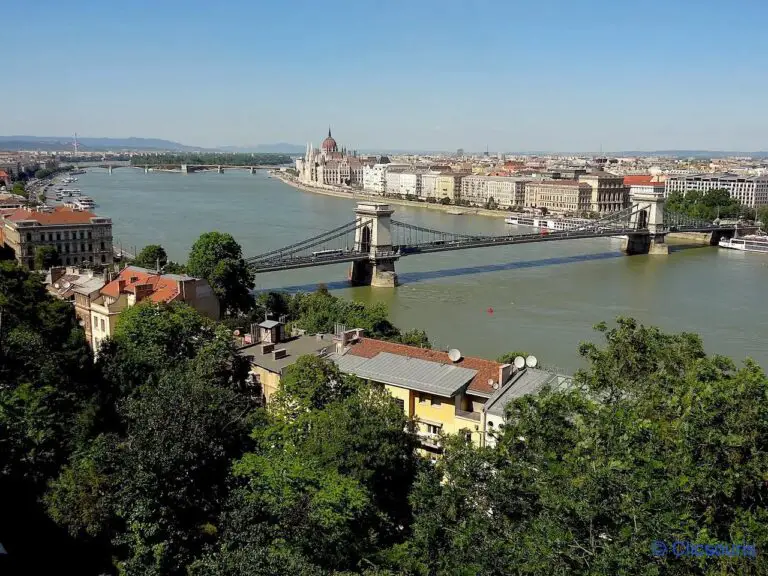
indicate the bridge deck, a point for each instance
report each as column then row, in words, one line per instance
column 278, row 262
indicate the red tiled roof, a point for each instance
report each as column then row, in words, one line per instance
column 486, row 369
column 638, row 179
column 163, row 289
column 60, row 216
column 3, row 174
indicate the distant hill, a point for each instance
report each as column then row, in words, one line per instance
column 64, row 143
column 277, row 148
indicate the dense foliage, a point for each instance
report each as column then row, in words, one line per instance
column 155, row 461
column 708, row 205
column 216, row 257
column 320, row 311
column 211, row 158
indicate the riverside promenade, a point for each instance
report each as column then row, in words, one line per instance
column 360, row 195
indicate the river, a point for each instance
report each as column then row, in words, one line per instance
column 542, row 298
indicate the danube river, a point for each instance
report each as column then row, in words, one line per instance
column 542, row 298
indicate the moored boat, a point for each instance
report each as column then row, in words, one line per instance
column 748, row 243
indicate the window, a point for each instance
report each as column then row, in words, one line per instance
column 103, row 259
column 433, row 429
column 58, row 235
column 82, row 247
column 102, row 245
column 95, row 323
column 90, row 247
column 400, row 402
column 82, row 235
column 423, row 398
column 102, row 325
column 435, row 401
column 66, row 235
column 29, row 237
column 468, row 437
column 90, row 234
column 50, row 237
column 68, row 262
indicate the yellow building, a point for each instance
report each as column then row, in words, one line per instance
column 441, row 395
column 134, row 285
column 273, row 352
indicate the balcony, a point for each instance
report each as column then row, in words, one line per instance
column 429, row 439
column 467, row 415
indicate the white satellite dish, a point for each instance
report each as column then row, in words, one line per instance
column 519, row 362
column 531, row 361
column 495, row 386
column 454, row 355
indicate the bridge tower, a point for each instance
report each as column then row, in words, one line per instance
column 375, row 239
column 648, row 220
column 110, row 169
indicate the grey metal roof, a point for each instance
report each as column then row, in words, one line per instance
column 295, row 347
column 268, row 324
column 411, row 373
column 529, row 381
column 348, row 363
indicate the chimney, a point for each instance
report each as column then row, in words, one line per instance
column 505, row 371
column 142, row 291
column 267, row 348
column 57, row 272
column 278, row 354
column 120, row 286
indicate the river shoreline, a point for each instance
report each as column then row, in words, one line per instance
column 357, row 195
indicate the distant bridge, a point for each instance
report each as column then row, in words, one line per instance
column 373, row 242
column 182, row 168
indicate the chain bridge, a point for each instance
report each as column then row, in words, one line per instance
column 373, row 241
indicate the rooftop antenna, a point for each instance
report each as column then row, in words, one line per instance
column 75, row 144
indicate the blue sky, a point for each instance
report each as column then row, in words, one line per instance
column 558, row 75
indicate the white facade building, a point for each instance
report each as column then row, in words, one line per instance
column 504, row 190
column 750, row 191
column 375, row 177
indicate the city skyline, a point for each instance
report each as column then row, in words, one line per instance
column 545, row 77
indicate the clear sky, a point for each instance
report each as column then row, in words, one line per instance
column 559, row 75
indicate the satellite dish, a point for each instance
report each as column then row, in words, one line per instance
column 531, row 361
column 495, row 385
column 454, row 355
column 519, row 362
column 237, row 332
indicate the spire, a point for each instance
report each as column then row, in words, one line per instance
column 329, row 131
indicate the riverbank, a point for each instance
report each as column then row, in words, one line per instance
column 358, row 195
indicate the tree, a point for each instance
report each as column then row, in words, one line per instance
column 216, row 257
column 655, row 441
column 762, row 216
column 151, row 257
column 445, row 200
column 46, row 256
column 509, row 357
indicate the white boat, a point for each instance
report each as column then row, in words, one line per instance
column 70, row 192
column 511, row 220
column 749, row 243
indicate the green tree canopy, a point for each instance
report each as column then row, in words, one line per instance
column 656, row 441
column 46, row 256
column 151, row 257
column 216, row 257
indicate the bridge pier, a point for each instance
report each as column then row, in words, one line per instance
column 184, row 169
column 219, row 170
column 374, row 236
column 648, row 220
column 109, row 168
column 253, row 170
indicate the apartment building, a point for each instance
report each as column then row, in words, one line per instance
column 81, row 237
column 750, row 191
column 505, row 191
column 78, row 286
column 134, row 285
column 559, row 196
column 375, row 176
column 609, row 194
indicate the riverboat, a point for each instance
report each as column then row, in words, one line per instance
column 749, row 243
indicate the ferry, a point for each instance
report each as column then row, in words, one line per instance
column 557, row 225
column 70, row 192
column 748, row 243
column 68, row 180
